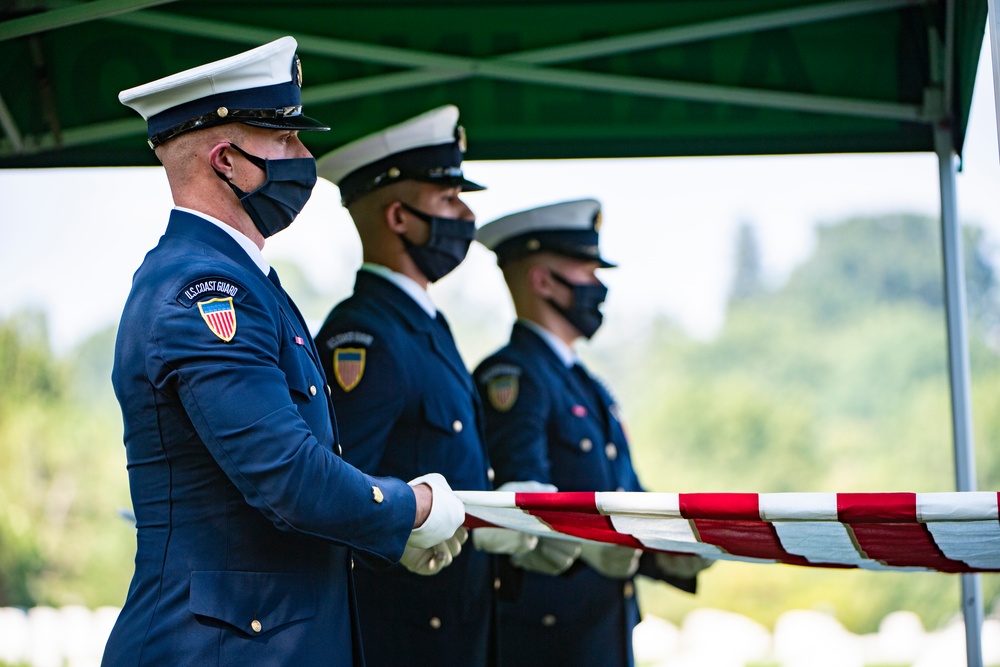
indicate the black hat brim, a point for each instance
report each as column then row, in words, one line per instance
column 287, row 123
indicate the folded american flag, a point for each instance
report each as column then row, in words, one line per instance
column 946, row 532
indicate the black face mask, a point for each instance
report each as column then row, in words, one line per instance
column 584, row 312
column 287, row 186
column 445, row 249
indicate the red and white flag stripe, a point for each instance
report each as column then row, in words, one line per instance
column 946, row 532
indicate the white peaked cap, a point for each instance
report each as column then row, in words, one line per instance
column 260, row 87
column 567, row 228
column 429, row 147
column 432, row 128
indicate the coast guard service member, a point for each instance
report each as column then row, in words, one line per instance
column 549, row 421
column 246, row 515
column 405, row 399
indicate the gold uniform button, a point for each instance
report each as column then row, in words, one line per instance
column 312, row 390
column 456, row 426
column 548, row 620
column 435, row 622
column 352, row 563
column 496, row 584
column 586, row 445
column 255, row 625
column 377, row 494
column 611, row 451
column 629, row 590
column 490, row 474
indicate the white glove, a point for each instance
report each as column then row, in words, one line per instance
column 682, row 565
column 446, row 515
column 434, row 559
column 611, row 560
column 504, row 540
column 528, row 486
column 551, row 556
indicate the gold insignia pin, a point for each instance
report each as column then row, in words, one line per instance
column 597, row 221
column 298, row 71
column 460, row 138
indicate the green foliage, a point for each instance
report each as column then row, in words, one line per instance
column 61, row 478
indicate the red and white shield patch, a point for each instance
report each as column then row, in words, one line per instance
column 348, row 366
column 502, row 392
column 220, row 316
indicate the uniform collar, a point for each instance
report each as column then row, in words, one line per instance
column 249, row 246
column 561, row 349
column 408, row 285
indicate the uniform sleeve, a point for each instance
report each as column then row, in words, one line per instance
column 516, row 412
column 238, row 398
column 368, row 385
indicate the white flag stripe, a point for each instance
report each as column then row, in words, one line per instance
column 957, row 506
column 514, row 519
column 487, row 498
column 819, row 541
column 667, row 505
column 664, row 534
column 798, row 506
column 974, row 542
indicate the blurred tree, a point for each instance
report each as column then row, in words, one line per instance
column 61, row 476
column 748, row 276
column 866, row 262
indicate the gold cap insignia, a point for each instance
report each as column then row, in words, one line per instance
column 298, row 71
column 597, row 221
column 460, row 138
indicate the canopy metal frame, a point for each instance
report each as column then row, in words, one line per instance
column 423, row 68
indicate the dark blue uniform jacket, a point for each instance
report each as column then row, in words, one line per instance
column 552, row 424
column 407, row 406
column 245, row 513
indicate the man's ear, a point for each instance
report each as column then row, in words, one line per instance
column 540, row 280
column 221, row 159
column 396, row 219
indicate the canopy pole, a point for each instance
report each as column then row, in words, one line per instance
column 958, row 368
column 994, row 30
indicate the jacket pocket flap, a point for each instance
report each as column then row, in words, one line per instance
column 440, row 413
column 273, row 599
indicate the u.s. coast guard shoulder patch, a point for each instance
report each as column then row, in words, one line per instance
column 216, row 298
column 348, row 366
column 502, row 386
column 502, row 392
column 220, row 316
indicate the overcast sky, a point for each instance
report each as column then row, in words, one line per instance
column 73, row 237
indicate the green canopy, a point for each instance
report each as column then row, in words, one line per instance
column 533, row 78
